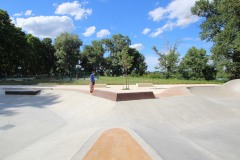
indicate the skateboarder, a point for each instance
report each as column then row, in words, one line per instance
column 92, row 82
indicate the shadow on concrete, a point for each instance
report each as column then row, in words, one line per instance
column 8, row 102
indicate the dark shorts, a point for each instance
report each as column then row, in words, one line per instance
column 93, row 83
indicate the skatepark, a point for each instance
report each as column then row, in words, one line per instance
column 181, row 122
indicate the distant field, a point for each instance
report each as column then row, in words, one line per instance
column 134, row 80
column 105, row 80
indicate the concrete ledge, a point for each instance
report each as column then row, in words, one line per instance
column 100, row 86
column 105, row 94
column 123, row 96
column 134, row 96
column 20, row 79
column 144, row 85
column 22, row 92
column 27, row 88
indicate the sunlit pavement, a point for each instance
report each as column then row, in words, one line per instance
column 184, row 122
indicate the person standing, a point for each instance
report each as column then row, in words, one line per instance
column 92, row 82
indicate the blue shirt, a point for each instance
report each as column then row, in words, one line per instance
column 92, row 79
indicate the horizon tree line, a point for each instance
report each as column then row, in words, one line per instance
column 26, row 54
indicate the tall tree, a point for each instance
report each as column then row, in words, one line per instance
column 125, row 59
column 126, row 63
column 49, row 58
column 116, row 43
column 35, row 63
column 223, row 66
column 139, row 65
column 221, row 26
column 114, row 46
column 67, row 48
column 168, row 60
column 195, row 64
column 13, row 45
column 93, row 56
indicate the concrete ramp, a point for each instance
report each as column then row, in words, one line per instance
column 233, row 86
column 65, row 123
column 229, row 89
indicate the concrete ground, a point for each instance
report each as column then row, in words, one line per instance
column 184, row 122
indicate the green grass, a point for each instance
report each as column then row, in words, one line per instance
column 109, row 81
column 134, row 80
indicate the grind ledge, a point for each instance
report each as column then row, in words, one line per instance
column 22, row 92
column 123, row 96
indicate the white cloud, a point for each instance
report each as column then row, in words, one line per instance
column 103, row 33
column 182, row 22
column 182, row 14
column 157, row 32
column 45, row 26
column 167, row 27
column 18, row 14
column 74, row 9
column 157, row 14
column 178, row 13
column 138, row 46
column 89, row 31
column 146, row 31
column 28, row 13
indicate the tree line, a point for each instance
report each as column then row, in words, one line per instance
column 195, row 65
column 28, row 55
column 221, row 25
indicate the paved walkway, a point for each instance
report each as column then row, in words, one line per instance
column 185, row 122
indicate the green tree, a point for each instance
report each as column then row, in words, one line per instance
column 125, row 59
column 116, row 43
column 13, row 45
column 67, row 48
column 49, row 58
column 139, row 65
column 35, row 61
column 221, row 26
column 125, row 62
column 114, row 46
column 195, row 64
column 92, row 56
column 223, row 66
column 168, row 60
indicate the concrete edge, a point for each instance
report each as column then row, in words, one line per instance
column 88, row 145
column 144, row 84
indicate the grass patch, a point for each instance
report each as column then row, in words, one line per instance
column 107, row 80
column 134, row 80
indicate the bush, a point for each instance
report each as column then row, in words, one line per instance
column 154, row 75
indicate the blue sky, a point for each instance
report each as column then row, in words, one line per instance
column 148, row 23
